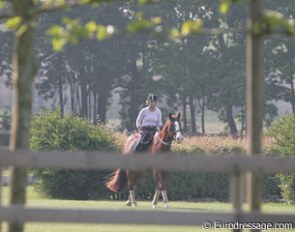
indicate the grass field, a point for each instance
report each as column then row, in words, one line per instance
column 36, row 200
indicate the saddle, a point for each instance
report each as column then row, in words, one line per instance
column 145, row 141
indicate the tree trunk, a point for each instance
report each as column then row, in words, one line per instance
column 94, row 110
column 231, row 121
column 202, row 105
column 193, row 115
column 184, row 117
column 84, row 102
column 103, row 89
column 60, row 91
column 135, row 98
column 89, row 105
column 102, row 106
column 77, row 101
column 133, row 107
column 24, row 71
column 72, row 93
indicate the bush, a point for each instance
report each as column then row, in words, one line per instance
column 52, row 132
column 283, row 131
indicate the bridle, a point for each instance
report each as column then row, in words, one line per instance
column 171, row 130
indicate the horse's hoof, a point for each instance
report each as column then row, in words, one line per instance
column 128, row 203
column 134, row 204
column 154, row 206
column 166, row 205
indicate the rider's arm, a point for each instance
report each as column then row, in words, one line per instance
column 159, row 123
column 139, row 119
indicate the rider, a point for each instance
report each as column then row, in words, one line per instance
column 148, row 121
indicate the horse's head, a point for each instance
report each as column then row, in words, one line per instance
column 174, row 128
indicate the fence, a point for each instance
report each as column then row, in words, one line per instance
column 92, row 161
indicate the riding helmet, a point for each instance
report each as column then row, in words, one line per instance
column 152, row 97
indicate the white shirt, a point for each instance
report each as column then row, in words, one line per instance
column 149, row 118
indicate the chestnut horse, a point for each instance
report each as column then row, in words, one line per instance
column 161, row 143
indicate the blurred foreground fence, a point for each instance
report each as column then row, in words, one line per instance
column 235, row 166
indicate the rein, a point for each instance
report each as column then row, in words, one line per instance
column 172, row 138
column 162, row 141
column 166, row 143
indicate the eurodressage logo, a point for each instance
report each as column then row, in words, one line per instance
column 263, row 226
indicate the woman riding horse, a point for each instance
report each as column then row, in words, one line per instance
column 160, row 142
column 148, row 121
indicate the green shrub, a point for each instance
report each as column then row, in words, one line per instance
column 51, row 131
column 287, row 186
column 270, row 187
column 283, row 131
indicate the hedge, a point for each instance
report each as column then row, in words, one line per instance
column 51, row 131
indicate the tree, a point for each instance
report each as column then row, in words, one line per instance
column 23, row 18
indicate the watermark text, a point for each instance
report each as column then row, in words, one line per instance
column 263, row 226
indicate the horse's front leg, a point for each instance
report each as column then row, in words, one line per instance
column 131, row 199
column 161, row 188
column 165, row 198
column 156, row 198
column 132, row 177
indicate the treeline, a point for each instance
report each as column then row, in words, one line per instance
column 192, row 74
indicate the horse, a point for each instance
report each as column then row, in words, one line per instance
column 161, row 143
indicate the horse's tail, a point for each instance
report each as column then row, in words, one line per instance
column 117, row 181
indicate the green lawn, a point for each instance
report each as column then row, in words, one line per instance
column 34, row 199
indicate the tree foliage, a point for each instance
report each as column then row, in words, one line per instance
column 164, row 58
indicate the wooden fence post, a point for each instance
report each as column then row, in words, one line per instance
column 236, row 194
column 255, row 92
column 25, row 68
column 0, row 190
